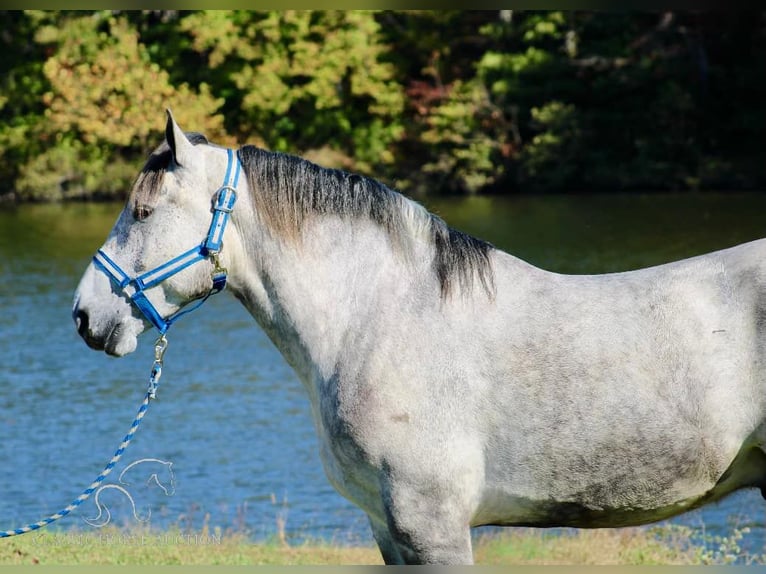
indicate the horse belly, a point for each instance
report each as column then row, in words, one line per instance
column 510, row 510
column 614, row 484
column 548, row 514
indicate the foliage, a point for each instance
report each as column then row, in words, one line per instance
column 444, row 101
column 22, row 85
column 551, row 156
column 103, row 87
column 465, row 133
column 307, row 79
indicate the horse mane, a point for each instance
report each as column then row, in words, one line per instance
column 287, row 190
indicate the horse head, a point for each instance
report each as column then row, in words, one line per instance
column 165, row 247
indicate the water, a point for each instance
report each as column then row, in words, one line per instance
column 231, row 416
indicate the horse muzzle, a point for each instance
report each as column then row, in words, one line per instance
column 116, row 338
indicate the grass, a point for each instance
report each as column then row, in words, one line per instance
column 630, row 546
column 114, row 546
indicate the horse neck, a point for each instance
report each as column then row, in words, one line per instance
column 317, row 298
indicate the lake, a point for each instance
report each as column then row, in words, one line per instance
column 230, row 416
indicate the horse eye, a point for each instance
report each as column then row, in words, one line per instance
column 141, row 212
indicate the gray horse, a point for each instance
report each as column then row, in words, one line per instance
column 453, row 385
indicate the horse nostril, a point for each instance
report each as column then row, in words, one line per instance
column 81, row 321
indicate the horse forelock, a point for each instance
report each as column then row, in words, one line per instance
column 287, row 190
column 146, row 188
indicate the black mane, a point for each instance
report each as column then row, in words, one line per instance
column 287, row 190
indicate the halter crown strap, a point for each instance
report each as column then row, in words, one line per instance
column 227, row 195
column 134, row 288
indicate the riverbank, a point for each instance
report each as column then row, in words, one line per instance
column 631, row 546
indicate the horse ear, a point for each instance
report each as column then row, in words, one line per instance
column 180, row 146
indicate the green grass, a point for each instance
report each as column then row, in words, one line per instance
column 629, row 546
column 114, row 546
column 633, row 546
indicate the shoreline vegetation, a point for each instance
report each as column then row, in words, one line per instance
column 659, row 545
column 516, row 101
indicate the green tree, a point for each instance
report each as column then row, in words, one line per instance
column 629, row 100
column 22, row 84
column 444, row 101
column 313, row 82
column 455, row 134
column 104, row 108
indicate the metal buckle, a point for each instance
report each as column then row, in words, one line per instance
column 218, row 201
column 218, row 269
column 160, row 346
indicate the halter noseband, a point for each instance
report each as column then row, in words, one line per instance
column 134, row 288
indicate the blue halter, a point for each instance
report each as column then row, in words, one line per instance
column 134, row 288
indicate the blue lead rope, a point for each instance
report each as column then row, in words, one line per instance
column 93, row 486
column 159, row 350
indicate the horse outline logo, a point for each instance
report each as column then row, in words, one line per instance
column 104, row 516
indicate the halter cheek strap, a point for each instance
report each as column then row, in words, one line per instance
column 134, row 287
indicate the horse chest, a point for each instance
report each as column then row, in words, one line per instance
column 347, row 465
